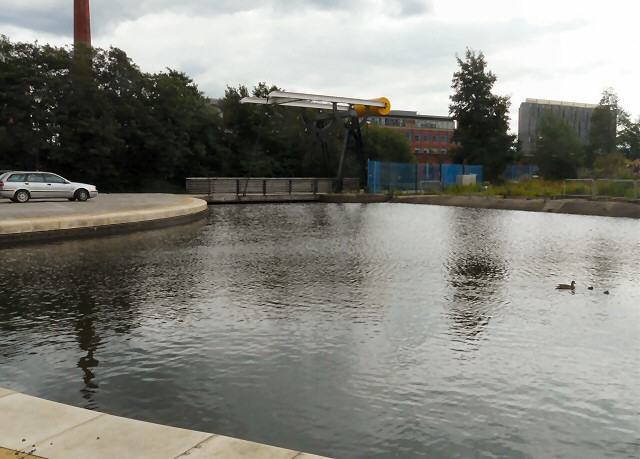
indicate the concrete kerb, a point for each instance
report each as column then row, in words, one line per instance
column 106, row 222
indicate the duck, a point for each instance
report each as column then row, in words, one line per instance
column 606, row 292
column 571, row 286
column 590, row 287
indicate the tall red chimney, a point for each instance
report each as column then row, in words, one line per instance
column 81, row 22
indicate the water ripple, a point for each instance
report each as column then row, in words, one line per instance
column 345, row 330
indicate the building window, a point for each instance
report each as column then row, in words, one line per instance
column 418, row 137
column 417, row 149
column 398, row 122
column 435, row 138
column 408, row 134
column 445, row 138
column 443, row 151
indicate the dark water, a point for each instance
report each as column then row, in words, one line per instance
column 351, row 331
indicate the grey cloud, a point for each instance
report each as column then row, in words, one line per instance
column 56, row 16
column 414, row 7
column 57, row 21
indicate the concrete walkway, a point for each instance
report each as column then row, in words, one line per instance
column 33, row 427
column 107, row 213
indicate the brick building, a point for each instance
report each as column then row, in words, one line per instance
column 430, row 136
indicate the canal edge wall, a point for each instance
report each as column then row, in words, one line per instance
column 35, row 228
column 599, row 207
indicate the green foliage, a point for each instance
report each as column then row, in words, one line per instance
column 612, row 166
column 264, row 140
column 628, row 140
column 482, row 118
column 387, row 145
column 581, row 187
column 558, row 151
column 602, row 136
column 619, row 189
column 92, row 115
column 530, row 188
column 464, row 190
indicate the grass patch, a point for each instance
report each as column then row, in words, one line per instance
column 532, row 188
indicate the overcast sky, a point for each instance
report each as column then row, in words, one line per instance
column 404, row 50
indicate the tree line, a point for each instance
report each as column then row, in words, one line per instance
column 614, row 144
column 482, row 131
column 92, row 115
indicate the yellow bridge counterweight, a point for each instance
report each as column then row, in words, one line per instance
column 361, row 110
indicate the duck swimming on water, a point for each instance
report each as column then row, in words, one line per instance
column 571, row 286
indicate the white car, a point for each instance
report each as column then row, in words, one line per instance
column 20, row 186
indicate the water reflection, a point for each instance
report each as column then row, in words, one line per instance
column 265, row 272
column 88, row 341
column 81, row 290
column 476, row 271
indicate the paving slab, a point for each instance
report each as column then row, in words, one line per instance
column 27, row 420
column 221, row 446
column 31, row 427
column 108, row 437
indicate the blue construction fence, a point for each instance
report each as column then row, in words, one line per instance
column 385, row 176
column 518, row 172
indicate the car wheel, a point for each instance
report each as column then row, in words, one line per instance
column 13, row 200
column 82, row 195
column 22, row 196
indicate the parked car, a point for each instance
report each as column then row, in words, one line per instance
column 20, row 186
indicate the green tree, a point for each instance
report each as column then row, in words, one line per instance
column 602, row 135
column 558, row 151
column 92, row 115
column 384, row 144
column 269, row 140
column 482, row 118
column 127, row 92
column 628, row 139
column 88, row 131
column 21, row 112
column 611, row 166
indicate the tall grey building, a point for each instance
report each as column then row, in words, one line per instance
column 531, row 112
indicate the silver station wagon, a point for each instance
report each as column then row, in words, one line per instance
column 20, row 186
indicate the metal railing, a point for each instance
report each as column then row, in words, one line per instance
column 264, row 186
column 611, row 188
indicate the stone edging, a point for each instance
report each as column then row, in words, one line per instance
column 48, row 228
column 602, row 208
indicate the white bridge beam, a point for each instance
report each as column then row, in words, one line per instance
column 380, row 106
